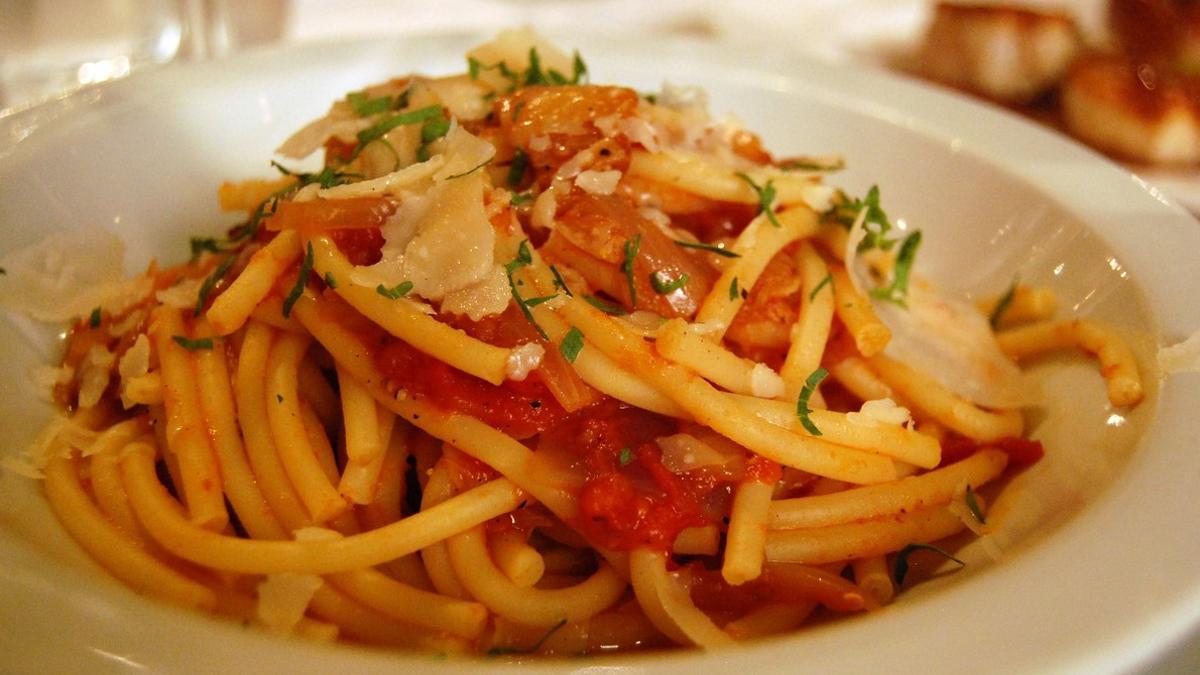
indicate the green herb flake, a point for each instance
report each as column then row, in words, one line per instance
column 192, row 345
column 571, row 344
column 523, row 259
column 365, row 106
column 875, row 220
column 94, row 318
column 306, row 266
column 516, row 170
column 534, row 74
column 897, row 291
column 766, row 197
column 560, row 283
column 663, row 285
column 471, row 171
column 733, row 290
column 606, row 307
column 380, row 128
column 901, row 569
column 501, row 651
column 973, row 505
column 802, row 409
column 398, row 291
column 711, row 248
column 1003, row 304
column 279, row 398
column 519, row 198
column 631, row 251
column 810, row 164
column 434, row 129
column 827, row 281
column 210, row 283
column 625, row 456
column 203, row 244
column 330, row 281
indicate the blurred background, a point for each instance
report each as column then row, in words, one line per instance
column 51, row 46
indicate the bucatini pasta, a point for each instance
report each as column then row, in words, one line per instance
column 533, row 365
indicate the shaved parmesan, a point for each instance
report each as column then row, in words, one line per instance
column 283, row 599
column 411, row 178
column 462, row 96
column 182, row 295
column 512, row 47
column 45, row 378
column 764, row 382
column 523, row 360
column 880, row 411
column 598, row 182
column 134, row 363
column 944, row 337
column 53, row 281
column 685, row 452
column 464, row 152
column 94, row 374
column 486, row 297
column 1182, row 357
column 340, row 122
column 56, row 440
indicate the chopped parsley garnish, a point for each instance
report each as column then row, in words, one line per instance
column 625, row 456
column 306, row 266
column 192, row 345
column 326, row 178
column 94, row 318
column 516, row 170
column 901, row 570
column 806, row 392
column 471, row 171
column 875, row 221
column 524, row 258
column 519, row 198
column 809, row 164
column 380, row 128
column 606, row 307
column 1003, row 304
column 534, row 74
column 202, row 244
column 973, row 505
column 897, row 291
column 330, row 281
column 534, row 302
column 434, row 129
column 211, row 282
column 662, row 285
column 501, row 651
column 631, row 251
column 733, row 290
column 398, row 291
column 827, row 281
column 766, row 197
column 365, row 106
column 560, row 283
column 571, row 344
column 723, row 252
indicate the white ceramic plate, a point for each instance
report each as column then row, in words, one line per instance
column 1099, row 573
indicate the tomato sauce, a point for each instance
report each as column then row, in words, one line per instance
column 629, row 499
column 520, row 409
column 1019, row 450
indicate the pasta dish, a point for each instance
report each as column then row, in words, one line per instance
column 525, row 364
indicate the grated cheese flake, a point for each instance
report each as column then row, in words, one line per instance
column 880, row 411
column 523, row 360
column 598, row 182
